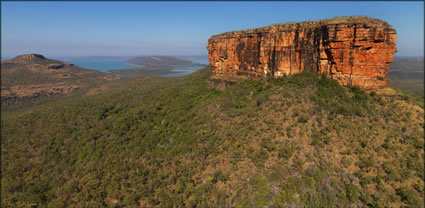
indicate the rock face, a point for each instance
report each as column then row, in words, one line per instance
column 356, row 51
column 31, row 56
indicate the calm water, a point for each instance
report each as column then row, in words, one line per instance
column 108, row 63
column 100, row 64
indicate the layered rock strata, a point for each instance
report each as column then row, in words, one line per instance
column 356, row 51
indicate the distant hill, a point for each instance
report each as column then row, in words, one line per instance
column 162, row 62
column 33, row 75
column 134, row 72
column 407, row 73
column 407, row 64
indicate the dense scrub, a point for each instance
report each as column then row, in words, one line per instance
column 175, row 142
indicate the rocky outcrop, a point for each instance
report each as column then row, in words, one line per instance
column 30, row 56
column 356, row 51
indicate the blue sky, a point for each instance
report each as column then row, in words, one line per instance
column 176, row 28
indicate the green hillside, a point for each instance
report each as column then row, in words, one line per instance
column 179, row 142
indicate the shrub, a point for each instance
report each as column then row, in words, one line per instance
column 363, row 143
column 289, row 132
column 303, row 119
column 351, row 192
column 319, row 139
column 346, row 161
column 409, row 197
column 365, row 163
column 259, row 157
column 219, row 176
column 268, row 144
column 360, row 95
column 285, row 152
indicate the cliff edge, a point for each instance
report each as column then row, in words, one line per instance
column 356, row 51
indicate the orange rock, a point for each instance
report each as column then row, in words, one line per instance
column 356, row 51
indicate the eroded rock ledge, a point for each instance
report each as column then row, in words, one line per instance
column 30, row 56
column 356, row 51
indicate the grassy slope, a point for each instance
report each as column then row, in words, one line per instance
column 161, row 142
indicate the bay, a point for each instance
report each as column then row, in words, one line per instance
column 102, row 64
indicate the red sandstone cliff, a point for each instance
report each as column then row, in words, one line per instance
column 356, row 51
